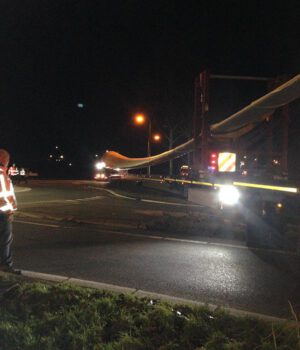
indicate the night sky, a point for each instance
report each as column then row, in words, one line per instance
column 119, row 57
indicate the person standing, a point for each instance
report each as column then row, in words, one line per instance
column 8, row 206
column 13, row 173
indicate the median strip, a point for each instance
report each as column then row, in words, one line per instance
column 57, row 312
column 143, row 293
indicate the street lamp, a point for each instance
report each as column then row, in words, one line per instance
column 141, row 119
column 156, row 137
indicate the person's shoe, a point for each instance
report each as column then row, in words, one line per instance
column 10, row 269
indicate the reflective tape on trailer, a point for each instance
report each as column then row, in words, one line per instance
column 226, row 162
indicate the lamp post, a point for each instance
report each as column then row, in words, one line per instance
column 149, row 145
column 140, row 119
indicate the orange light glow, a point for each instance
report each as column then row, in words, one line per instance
column 156, row 137
column 139, row 119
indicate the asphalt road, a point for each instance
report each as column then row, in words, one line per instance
column 87, row 245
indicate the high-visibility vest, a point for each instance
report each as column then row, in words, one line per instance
column 13, row 171
column 8, row 201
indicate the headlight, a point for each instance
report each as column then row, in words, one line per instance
column 100, row 165
column 229, row 195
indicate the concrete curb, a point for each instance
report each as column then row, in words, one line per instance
column 143, row 294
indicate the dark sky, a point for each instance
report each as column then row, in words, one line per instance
column 118, row 57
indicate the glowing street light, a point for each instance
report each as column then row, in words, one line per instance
column 139, row 119
column 156, row 137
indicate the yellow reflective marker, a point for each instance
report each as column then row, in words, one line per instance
column 227, row 162
column 241, row 184
column 267, row 187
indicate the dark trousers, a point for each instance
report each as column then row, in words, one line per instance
column 5, row 240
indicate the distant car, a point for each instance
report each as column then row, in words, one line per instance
column 116, row 176
column 109, row 175
column 101, row 177
column 185, row 172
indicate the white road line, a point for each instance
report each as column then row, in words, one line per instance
column 35, row 223
column 153, row 237
column 88, row 199
column 207, row 243
column 21, row 189
column 51, row 201
column 113, row 193
column 172, row 203
column 71, row 201
column 173, row 239
column 147, row 200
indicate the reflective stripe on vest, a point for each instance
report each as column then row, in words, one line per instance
column 7, row 195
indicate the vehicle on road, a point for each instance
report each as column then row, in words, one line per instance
column 108, row 174
column 242, row 157
column 185, row 172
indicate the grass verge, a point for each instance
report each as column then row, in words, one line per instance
column 46, row 316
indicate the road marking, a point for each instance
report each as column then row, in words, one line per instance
column 166, row 238
column 35, row 223
column 160, row 213
column 87, row 199
column 71, row 201
column 112, row 192
column 148, row 200
column 21, row 189
column 216, row 244
column 172, row 203
column 172, row 239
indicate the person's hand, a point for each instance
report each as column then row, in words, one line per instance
column 11, row 217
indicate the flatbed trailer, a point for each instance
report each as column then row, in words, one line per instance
column 271, row 211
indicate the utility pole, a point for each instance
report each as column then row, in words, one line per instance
column 285, row 127
column 269, row 142
column 196, row 126
column 149, row 146
column 285, row 140
column 204, row 86
column 200, row 123
column 171, row 137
